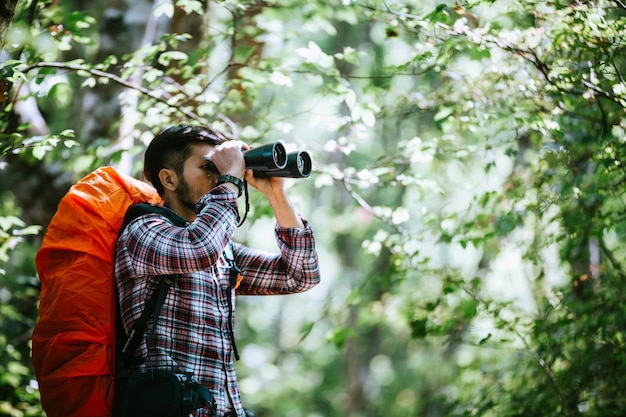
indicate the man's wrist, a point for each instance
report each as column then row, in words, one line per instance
column 231, row 179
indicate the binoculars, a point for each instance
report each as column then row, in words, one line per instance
column 272, row 160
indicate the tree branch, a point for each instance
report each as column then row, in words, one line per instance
column 542, row 363
column 119, row 80
column 620, row 4
column 364, row 204
column 544, row 366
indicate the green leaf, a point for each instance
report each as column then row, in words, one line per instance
column 8, row 222
column 468, row 308
column 485, row 339
column 419, row 328
column 340, row 335
column 443, row 114
column 167, row 57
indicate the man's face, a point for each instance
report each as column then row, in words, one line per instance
column 197, row 178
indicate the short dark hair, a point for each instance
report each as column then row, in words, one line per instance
column 170, row 148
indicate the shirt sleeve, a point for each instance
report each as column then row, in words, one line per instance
column 294, row 269
column 156, row 247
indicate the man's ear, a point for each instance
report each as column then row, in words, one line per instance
column 169, row 179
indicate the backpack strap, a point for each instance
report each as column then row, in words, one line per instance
column 138, row 210
column 152, row 307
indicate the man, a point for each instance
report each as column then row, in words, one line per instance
column 199, row 176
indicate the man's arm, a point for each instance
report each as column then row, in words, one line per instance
column 274, row 190
column 285, row 213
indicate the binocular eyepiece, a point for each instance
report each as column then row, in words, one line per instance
column 272, row 160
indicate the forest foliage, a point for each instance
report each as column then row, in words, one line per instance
column 466, row 194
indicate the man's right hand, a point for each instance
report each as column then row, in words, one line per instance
column 228, row 158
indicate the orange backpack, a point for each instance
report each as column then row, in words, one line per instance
column 74, row 339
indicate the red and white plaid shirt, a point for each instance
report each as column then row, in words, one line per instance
column 192, row 334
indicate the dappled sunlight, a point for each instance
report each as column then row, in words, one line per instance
column 465, row 194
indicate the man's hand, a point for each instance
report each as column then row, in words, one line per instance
column 274, row 189
column 228, row 158
column 266, row 185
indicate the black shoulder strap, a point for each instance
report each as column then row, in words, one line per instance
column 152, row 307
column 138, row 210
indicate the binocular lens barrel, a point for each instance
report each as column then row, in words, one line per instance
column 298, row 166
column 272, row 156
column 272, row 160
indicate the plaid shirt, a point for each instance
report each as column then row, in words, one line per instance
column 192, row 334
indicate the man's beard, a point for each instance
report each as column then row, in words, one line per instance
column 184, row 195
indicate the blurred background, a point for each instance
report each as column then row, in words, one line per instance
column 467, row 192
